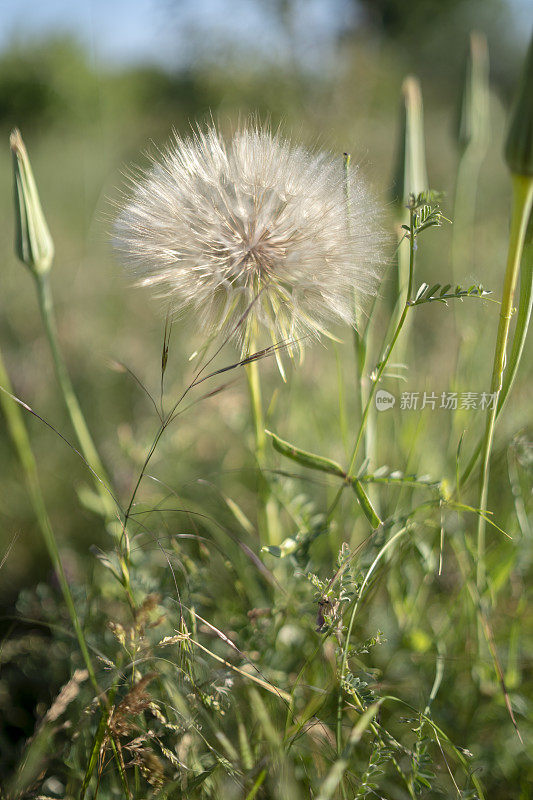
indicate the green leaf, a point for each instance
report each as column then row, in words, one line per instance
column 199, row 779
column 421, row 292
column 334, row 776
column 519, row 144
column 257, row 785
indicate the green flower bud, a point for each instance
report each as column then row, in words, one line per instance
column 473, row 119
column 519, row 145
column 410, row 175
column 33, row 242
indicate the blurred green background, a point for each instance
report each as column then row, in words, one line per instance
column 93, row 92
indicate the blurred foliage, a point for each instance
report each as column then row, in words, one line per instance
column 51, row 84
column 46, row 83
column 414, row 21
column 424, row 36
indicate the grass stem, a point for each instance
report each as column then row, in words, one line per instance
column 19, row 435
column 384, row 360
column 522, row 202
column 81, row 429
column 77, row 418
column 389, row 348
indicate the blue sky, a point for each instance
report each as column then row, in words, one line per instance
column 126, row 31
column 118, row 30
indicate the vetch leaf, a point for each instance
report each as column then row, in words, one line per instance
column 421, row 291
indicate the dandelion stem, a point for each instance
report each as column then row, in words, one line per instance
column 360, row 336
column 522, row 203
column 256, row 405
column 268, row 525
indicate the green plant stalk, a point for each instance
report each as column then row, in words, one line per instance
column 268, row 518
column 97, row 743
column 465, row 209
column 410, row 178
column 343, row 422
column 396, row 334
column 473, row 135
column 522, row 323
column 257, row 785
column 519, row 339
column 361, row 340
column 361, row 348
column 19, row 436
column 403, row 261
column 466, row 188
column 349, row 630
column 87, row 445
column 462, row 556
column 522, row 203
column 383, row 363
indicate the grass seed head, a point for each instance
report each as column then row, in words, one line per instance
column 255, row 221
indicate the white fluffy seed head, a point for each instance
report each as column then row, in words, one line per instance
column 256, row 223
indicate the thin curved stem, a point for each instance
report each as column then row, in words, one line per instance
column 344, row 664
column 384, row 360
column 20, row 438
column 522, row 203
column 77, row 418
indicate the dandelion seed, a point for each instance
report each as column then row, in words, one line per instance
column 255, row 223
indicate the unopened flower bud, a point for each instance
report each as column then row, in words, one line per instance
column 33, row 242
column 410, row 175
column 473, row 120
column 519, row 145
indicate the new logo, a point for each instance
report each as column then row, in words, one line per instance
column 384, row 400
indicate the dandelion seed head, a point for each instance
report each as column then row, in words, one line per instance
column 253, row 224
